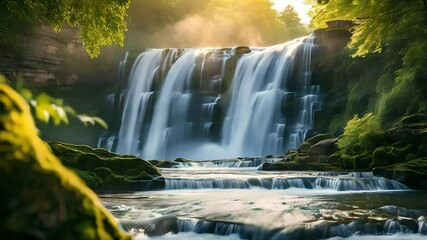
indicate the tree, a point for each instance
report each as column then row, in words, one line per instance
column 212, row 23
column 292, row 22
column 396, row 31
column 101, row 22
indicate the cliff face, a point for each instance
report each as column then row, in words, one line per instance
column 57, row 63
column 329, row 72
column 41, row 57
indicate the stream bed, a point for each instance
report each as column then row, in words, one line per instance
column 202, row 202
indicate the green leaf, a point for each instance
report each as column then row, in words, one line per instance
column 26, row 94
column 92, row 120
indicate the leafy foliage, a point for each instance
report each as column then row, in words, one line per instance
column 212, row 23
column 13, row 30
column 40, row 197
column 102, row 22
column 292, row 22
column 395, row 31
column 362, row 133
column 49, row 109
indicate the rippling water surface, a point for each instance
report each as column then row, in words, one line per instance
column 195, row 210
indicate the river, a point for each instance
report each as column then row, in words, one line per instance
column 204, row 201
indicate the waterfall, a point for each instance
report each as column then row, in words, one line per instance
column 138, row 96
column 218, row 103
column 338, row 184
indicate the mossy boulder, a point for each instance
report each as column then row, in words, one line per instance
column 319, row 137
column 324, row 147
column 106, row 171
column 412, row 173
column 164, row 163
column 42, row 199
column 388, row 155
column 305, row 146
column 415, row 118
column 301, row 162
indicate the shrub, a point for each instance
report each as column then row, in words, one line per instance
column 361, row 135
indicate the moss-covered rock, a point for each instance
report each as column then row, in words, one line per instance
column 302, row 162
column 412, row 173
column 305, row 146
column 106, row 171
column 415, row 118
column 324, row 148
column 292, row 166
column 164, row 164
column 388, row 155
column 319, row 137
column 41, row 199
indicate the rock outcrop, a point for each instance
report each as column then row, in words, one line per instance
column 104, row 171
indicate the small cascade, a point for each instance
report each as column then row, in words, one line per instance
column 315, row 230
column 217, row 103
column 232, row 163
column 338, row 184
column 202, row 226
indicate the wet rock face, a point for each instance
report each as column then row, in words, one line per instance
column 41, row 199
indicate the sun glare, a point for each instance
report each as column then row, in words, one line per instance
column 299, row 5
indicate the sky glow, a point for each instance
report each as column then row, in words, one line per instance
column 300, row 7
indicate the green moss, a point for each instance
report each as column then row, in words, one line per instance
column 412, row 173
column 388, row 155
column 90, row 178
column 301, row 163
column 415, row 118
column 289, row 166
column 292, row 153
column 41, row 199
column 109, row 167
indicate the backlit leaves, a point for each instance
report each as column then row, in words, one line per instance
column 101, row 22
column 396, row 31
column 49, row 109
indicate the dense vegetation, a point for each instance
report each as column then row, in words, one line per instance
column 209, row 23
column 154, row 23
column 384, row 64
column 101, row 22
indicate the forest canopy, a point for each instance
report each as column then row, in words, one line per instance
column 140, row 24
column 393, row 32
column 209, row 23
column 101, row 22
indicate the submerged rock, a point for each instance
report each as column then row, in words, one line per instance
column 105, row 171
column 41, row 199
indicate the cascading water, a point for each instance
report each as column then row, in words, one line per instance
column 223, row 103
column 218, row 103
column 137, row 100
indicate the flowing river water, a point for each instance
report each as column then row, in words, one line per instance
column 225, row 200
column 230, row 102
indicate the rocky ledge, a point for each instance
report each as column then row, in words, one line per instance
column 107, row 172
column 400, row 154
